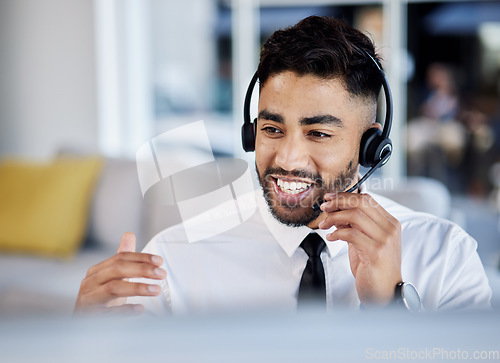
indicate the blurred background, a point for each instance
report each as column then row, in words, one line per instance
column 105, row 76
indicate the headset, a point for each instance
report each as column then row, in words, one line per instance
column 375, row 147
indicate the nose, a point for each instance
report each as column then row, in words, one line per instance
column 292, row 153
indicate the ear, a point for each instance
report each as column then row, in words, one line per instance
column 376, row 125
column 371, row 145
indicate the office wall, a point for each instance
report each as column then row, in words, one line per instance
column 47, row 77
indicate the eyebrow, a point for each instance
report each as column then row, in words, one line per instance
column 304, row 121
column 321, row 119
column 267, row 115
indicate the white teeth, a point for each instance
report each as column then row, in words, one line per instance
column 292, row 187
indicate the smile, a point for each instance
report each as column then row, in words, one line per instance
column 292, row 187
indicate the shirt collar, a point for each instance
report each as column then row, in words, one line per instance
column 290, row 238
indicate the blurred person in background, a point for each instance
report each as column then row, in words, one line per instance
column 442, row 102
column 437, row 139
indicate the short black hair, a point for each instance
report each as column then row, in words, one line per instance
column 327, row 48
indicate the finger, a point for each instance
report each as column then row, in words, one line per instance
column 118, row 288
column 354, row 218
column 343, row 201
column 137, row 257
column 123, row 269
column 365, row 202
column 363, row 244
column 365, row 214
column 127, row 243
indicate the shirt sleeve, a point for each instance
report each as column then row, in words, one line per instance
column 465, row 284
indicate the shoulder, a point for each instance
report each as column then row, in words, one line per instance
column 424, row 228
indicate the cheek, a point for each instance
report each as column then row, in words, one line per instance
column 329, row 165
column 334, row 160
column 263, row 156
column 265, row 150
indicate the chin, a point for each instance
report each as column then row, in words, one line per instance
column 291, row 215
column 290, row 195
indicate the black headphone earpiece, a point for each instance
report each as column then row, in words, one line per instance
column 374, row 147
column 249, row 128
column 248, row 131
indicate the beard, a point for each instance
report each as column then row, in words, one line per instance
column 302, row 214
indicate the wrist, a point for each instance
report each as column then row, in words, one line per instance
column 407, row 297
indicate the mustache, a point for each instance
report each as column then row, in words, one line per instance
column 277, row 171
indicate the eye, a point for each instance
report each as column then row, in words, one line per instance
column 319, row 134
column 273, row 131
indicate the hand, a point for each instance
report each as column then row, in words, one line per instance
column 106, row 286
column 374, row 241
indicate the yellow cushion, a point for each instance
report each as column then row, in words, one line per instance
column 44, row 207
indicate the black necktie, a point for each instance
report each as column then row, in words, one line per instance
column 312, row 285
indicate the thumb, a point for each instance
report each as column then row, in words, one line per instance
column 127, row 243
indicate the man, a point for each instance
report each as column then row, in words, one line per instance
column 318, row 94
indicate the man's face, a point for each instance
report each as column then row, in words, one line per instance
column 307, row 144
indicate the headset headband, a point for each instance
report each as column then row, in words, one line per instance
column 385, row 85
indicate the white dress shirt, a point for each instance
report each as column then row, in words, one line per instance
column 258, row 265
